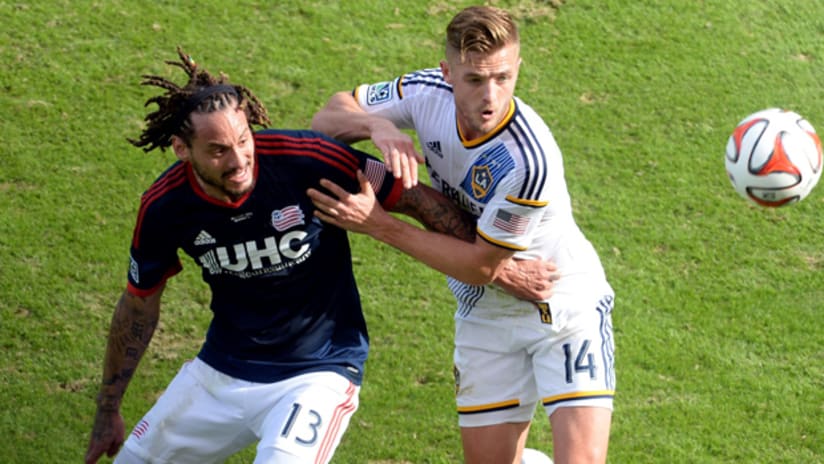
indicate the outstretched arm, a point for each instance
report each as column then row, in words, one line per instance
column 475, row 263
column 133, row 324
column 343, row 118
column 436, row 212
column 530, row 280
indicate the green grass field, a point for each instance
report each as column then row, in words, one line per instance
column 720, row 351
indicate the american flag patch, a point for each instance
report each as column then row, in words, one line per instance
column 510, row 222
column 287, row 218
column 375, row 172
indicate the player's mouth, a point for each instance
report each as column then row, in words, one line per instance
column 486, row 115
column 239, row 176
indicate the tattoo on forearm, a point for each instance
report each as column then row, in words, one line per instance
column 137, row 330
column 132, row 353
column 132, row 327
column 437, row 213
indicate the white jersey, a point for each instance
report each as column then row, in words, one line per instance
column 511, row 179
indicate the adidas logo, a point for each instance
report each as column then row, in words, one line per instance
column 435, row 147
column 203, row 238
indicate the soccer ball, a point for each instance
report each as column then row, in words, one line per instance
column 533, row 456
column 774, row 158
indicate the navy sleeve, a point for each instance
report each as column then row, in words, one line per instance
column 153, row 258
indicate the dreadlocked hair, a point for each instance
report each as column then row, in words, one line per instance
column 172, row 116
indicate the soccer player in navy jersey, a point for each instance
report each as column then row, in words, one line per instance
column 493, row 155
column 283, row 357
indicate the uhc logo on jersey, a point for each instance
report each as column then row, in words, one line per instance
column 253, row 258
column 487, row 170
column 378, row 93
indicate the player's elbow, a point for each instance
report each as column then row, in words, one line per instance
column 319, row 123
column 328, row 119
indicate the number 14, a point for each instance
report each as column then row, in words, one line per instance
column 584, row 361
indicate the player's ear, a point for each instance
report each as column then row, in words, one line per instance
column 445, row 71
column 180, row 148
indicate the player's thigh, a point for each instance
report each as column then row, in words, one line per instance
column 581, row 434
column 494, row 444
column 307, row 423
column 493, row 375
column 189, row 423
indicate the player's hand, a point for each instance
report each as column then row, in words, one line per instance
column 107, row 435
column 529, row 279
column 357, row 212
column 399, row 153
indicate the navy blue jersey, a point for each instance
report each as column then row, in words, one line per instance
column 284, row 297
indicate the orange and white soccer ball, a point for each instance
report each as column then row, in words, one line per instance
column 774, row 158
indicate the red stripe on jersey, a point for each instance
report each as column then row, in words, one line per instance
column 145, row 292
column 393, row 197
column 333, row 433
column 172, row 179
column 280, row 144
column 316, row 147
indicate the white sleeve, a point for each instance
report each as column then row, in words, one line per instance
column 509, row 221
column 385, row 99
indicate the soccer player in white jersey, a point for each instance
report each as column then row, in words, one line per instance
column 495, row 157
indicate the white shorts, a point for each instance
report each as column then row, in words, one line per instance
column 204, row 416
column 504, row 367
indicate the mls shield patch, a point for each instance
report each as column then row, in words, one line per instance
column 378, row 93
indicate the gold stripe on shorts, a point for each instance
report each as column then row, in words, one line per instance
column 578, row 396
column 489, row 407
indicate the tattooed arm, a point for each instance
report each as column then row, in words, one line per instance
column 528, row 280
column 133, row 324
column 436, row 212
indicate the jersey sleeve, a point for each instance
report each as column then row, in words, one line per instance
column 394, row 100
column 152, row 258
column 324, row 157
column 510, row 221
column 384, row 99
column 387, row 189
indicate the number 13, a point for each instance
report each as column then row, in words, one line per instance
column 314, row 424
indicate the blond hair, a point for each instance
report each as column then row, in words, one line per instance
column 480, row 29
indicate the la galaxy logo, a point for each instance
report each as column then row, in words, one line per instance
column 481, row 181
column 378, row 93
column 486, row 172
